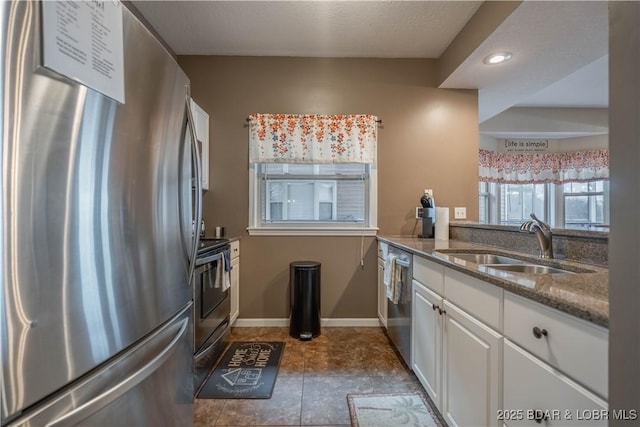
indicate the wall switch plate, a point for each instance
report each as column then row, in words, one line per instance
column 460, row 213
column 419, row 213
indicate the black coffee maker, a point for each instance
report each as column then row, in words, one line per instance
column 428, row 215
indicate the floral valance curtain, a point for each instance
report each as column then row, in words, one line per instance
column 514, row 168
column 312, row 138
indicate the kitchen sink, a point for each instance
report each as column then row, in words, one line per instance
column 507, row 264
column 527, row 268
column 485, row 258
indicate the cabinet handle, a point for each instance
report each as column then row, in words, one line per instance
column 434, row 307
column 539, row 416
column 441, row 311
column 538, row 333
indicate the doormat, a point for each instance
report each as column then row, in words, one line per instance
column 401, row 409
column 247, row 370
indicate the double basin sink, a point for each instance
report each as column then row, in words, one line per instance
column 508, row 264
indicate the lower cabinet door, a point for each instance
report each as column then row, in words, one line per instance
column 537, row 394
column 427, row 340
column 235, row 289
column 472, row 380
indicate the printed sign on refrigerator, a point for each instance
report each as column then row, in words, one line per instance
column 82, row 40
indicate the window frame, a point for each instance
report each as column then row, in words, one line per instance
column 605, row 193
column 366, row 228
column 554, row 204
column 503, row 196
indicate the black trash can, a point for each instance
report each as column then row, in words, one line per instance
column 304, row 281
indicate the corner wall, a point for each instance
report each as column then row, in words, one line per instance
column 624, row 237
column 428, row 139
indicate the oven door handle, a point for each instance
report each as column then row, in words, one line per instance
column 207, row 260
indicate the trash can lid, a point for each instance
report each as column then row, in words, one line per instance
column 305, row 264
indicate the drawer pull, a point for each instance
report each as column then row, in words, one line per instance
column 539, row 416
column 437, row 307
column 538, row 333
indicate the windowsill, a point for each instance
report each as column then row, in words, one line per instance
column 311, row 231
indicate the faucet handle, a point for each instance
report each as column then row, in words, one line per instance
column 542, row 224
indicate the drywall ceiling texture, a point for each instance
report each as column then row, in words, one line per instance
column 429, row 139
column 549, row 41
column 389, row 29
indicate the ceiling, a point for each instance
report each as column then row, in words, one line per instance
column 559, row 47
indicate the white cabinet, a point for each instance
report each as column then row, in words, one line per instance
column 535, row 392
column 234, row 292
column 456, row 357
column 481, row 299
column 471, row 366
column 427, row 340
column 488, row 357
column 201, row 124
column 576, row 347
column 382, row 294
column 429, row 274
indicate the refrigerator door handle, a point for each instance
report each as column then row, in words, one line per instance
column 99, row 402
column 198, row 168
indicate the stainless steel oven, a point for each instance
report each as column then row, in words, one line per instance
column 211, row 305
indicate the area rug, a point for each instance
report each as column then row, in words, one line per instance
column 247, row 370
column 401, row 409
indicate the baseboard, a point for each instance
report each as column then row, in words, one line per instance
column 243, row 323
column 348, row 321
column 330, row 322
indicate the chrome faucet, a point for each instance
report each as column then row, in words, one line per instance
column 543, row 233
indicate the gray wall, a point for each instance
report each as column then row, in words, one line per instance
column 624, row 237
column 429, row 139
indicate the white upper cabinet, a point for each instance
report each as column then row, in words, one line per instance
column 201, row 122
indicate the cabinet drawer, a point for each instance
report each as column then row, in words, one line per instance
column 530, row 384
column 235, row 249
column 429, row 274
column 481, row 299
column 574, row 346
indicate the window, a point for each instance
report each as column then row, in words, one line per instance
column 312, row 174
column 520, row 200
column 484, row 212
column 581, row 205
column 291, row 198
column 585, row 204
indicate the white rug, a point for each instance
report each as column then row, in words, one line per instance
column 402, row 409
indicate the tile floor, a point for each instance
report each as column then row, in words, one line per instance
column 314, row 379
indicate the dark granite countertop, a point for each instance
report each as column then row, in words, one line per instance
column 584, row 294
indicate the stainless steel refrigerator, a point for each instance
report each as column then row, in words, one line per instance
column 95, row 208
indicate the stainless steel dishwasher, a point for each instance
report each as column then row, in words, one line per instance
column 399, row 315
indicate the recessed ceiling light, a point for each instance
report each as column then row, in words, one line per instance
column 496, row 58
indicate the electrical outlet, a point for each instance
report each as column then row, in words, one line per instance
column 460, row 213
column 429, row 192
column 419, row 212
